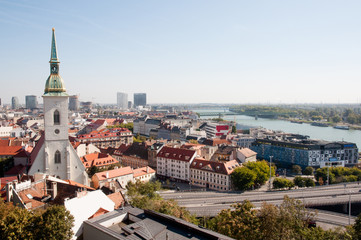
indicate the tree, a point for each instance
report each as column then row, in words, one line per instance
column 145, row 196
column 357, row 227
column 296, row 169
column 336, row 119
column 321, row 173
column 261, row 168
column 240, row 223
column 55, row 223
column 16, row 223
column 303, row 182
column 93, row 170
column 234, row 129
column 19, row 223
column 282, row 183
column 193, row 141
column 243, row 178
column 308, row 171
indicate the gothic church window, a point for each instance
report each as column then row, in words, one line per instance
column 56, row 117
column 57, row 157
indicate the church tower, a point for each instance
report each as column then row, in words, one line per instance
column 57, row 156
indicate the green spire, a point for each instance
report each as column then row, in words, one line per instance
column 54, row 52
column 54, row 84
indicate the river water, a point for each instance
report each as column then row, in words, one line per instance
column 324, row 133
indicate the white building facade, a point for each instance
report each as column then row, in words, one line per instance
column 174, row 163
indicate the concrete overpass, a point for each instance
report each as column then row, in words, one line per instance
column 211, row 203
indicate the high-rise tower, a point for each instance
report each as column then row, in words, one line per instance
column 56, row 155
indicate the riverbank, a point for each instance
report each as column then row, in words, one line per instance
column 330, row 124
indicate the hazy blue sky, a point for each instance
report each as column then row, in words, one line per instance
column 186, row 51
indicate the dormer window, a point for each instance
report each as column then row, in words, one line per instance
column 56, row 117
column 57, row 157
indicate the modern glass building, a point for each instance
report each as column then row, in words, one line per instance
column 140, row 99
column 296, row 149
column 31, row 102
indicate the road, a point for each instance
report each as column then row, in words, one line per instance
column 211, row 203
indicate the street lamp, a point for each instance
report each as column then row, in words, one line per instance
column 328, row 173
column 349, row 208
column 270, row 171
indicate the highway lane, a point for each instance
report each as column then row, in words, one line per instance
column 336, row 219
column 355, row 187
column 199, row 198
column 211, row 203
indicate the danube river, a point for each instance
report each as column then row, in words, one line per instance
column 325, row 133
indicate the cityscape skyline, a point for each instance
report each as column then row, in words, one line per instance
column 239, row 52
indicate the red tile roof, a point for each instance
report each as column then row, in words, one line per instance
column 34, row 195
column 3, row 182
column 104, row 133
column 142, row 171
column 73, row 183
column 117, row 198
column 10, row 150
column 247, row 152
column 97, row 159
column 216, row 141
column 36, row 149
column 176, row 153
column 114, row 173
column 16, row 170
column 121, row 149
column 212, row 166
column 100, row 211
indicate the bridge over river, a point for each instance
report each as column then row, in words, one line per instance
column 225, row 112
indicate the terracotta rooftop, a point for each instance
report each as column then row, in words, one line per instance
column 16, row 170
column 114, row 173
column 97, row 159
column 10, row 150
column 142, row 171
column 217, row 167
column 117, row 198
column 73, row 183
column 216, row 141
column 34, row 195
column 100, row 211
column 176, row 153
column 247, row 152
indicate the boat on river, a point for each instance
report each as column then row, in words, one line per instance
column 342, row 127
column 319, row 124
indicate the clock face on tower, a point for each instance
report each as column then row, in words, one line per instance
column 54, row 69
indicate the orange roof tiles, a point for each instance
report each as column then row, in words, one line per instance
column 142, row 171
column 217, row 167
column 34, row 195
column 114, row 173
column 176, row 153
column 10, row 150
column 100, row 211
column 117, row 198
column 247, row 152
column 97, row 159
column 71, row 182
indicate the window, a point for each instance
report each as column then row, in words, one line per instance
column 57, row 157
column 56, row 117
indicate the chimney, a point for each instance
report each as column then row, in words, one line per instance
column 54, row 188
column 147, row 169
column 107, row 174
column 9, row 192
column 15, row 184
